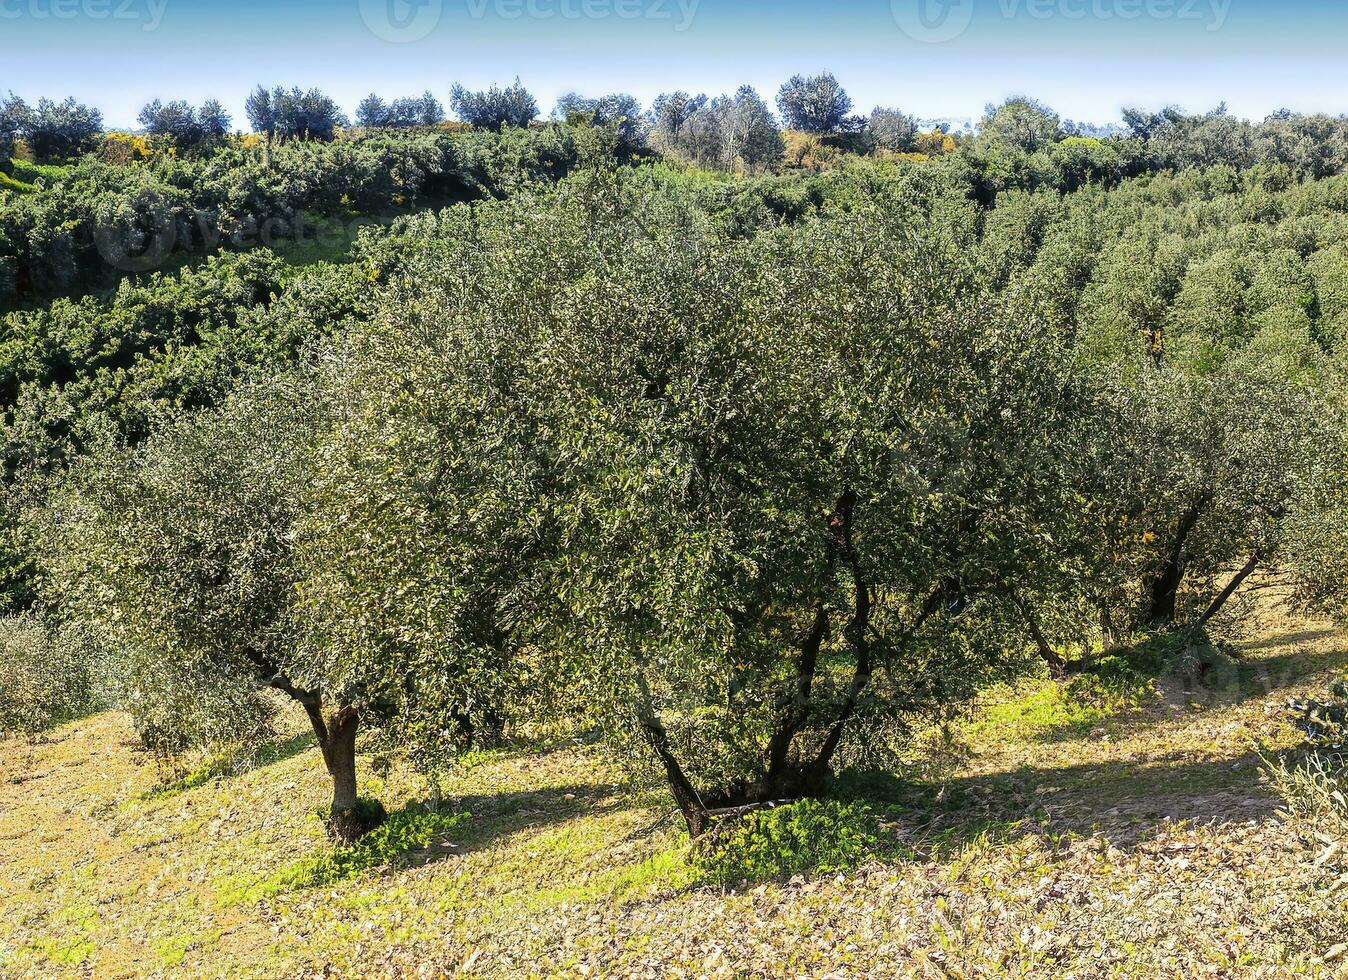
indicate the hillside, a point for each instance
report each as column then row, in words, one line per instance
column 1127, row 834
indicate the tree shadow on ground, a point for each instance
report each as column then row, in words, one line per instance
column 1240, row 680
column 1300, row 636
column 495, row 816
column 1272, row 674
column 230, row 765
column 1125, row 801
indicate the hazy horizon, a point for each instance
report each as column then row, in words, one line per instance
column 932, row 58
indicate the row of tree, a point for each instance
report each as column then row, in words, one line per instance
column 755, row 497
column 51, row 130
column 99, row 222
column 186, row 127
column 1020, row 142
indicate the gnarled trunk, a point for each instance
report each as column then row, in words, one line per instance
column 1236, row 582
column 1163, row 587
column 339, row 755
column 685, row 795
column 790, row 772
column 336, row 736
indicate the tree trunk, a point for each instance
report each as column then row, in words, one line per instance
column 783, row 779
column 1163, row 589
column 1057, row 665
column 685, row 796
column 1231, row 587
column 336, row 735
column 1109, row 635
column 779, row 773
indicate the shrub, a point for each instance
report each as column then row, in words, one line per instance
column 45, row 676
column 811, row 836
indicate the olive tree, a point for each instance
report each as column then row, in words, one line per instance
column 181, row 553
column 402, row 113
column 814, row 104
column 796, row 481
column 1215, row 375
column 890, row 129
column 1197, row 485
column 1317, row 534
column 1022, row 123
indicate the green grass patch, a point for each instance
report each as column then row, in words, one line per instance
column 26, row 174
column 807, row 837
column 8, row 183
column 411, row 829
column 668, row 870
column 1051, row 711
column 67, row 951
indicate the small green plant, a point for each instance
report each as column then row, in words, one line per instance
column 810, row 836
column 1124, row 680
column 413, row 828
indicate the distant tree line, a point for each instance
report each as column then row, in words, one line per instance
column 185, row 127
column 425, row 110
column 98, row 222
column 51, row 130
column 1020, row 143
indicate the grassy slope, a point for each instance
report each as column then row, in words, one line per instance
column 1105, row 841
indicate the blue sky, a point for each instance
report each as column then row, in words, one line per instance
column 1086, row 58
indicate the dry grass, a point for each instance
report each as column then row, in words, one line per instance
column 1120, row 839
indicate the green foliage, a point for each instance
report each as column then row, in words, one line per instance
column 754, row 475
column 411, row 829
column 178, row 554
column 47, row 676
column 731, row 132
column 808, row 837
column 91, row 225
column 495, row 107
column 1021, row 123
column 817, row 104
